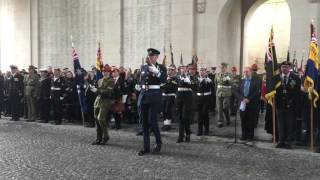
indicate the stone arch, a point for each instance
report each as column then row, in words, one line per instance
column 229, row 33
column 246, row 18
column 232, row 20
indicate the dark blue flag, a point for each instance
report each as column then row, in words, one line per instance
column 79, row 78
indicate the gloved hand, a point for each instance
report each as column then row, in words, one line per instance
column 227, row 78
column 208, row 80
column 187, row 80
column 138, row 87
column 153, row 69
column 93, row 89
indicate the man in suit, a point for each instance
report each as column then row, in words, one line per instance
column 149, row 101
column 254, row 74
column 250, row 99
column 119, row 90
column 44, row 95
column 286, row 104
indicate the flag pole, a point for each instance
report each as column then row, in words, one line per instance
column 311, row 126
column 274, row 120
column 78, row 90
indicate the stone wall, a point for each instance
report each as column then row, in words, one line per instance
column 43, row 28
column 16, row 33
column 88, row 21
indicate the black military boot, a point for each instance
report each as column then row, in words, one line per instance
column 180, row 140
column 156, row 149
column 104, row 141
column 143, row 152
column 96, row 142
column 188, row 138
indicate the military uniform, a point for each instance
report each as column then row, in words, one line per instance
column 186, row 86
column 169, row 90
column 69, row 99
column 102, row 107
column 44, row 98
column 1, row 94
column 15, row 90
column 223, row 94
column 31, row 93
column 203, row 92
column 286, row 103
column 149, row 101
column 57, row 90
column 234, row 100
column 213, row 100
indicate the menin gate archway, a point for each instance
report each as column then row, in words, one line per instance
column 239, row 37
column 257, row 25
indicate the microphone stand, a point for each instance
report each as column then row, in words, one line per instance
column 235, row 141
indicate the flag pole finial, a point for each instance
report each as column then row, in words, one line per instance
column 71, row 37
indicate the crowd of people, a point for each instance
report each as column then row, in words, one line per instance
column 126, row 96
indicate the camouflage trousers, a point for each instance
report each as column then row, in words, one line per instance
column 223, row 104
column 101, row 116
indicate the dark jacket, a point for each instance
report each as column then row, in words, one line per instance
column 44, row 88
column 147, row 79
column 254, row 94
column 119, row 87
column 287, row 93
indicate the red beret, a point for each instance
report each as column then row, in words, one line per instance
column 254, row 67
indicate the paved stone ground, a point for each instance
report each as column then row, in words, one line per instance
column 43, row 151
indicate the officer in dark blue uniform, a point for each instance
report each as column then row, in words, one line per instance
column 286, row 104
column 149, row 101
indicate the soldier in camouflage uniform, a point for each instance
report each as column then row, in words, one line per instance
column 223, row 94
column 31, row 93
column 235, row 79
column 103, row 105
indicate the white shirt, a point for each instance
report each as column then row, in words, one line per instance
column 283, row 75
column 116, row 79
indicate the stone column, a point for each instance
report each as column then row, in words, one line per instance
column 34, row 32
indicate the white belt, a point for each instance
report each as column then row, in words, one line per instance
column 55, row 89
column 184, row 89
column 169, row 94
column 204, row 94
column 221, row 86
column 150, row 86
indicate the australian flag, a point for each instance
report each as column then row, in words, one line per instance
column 271, row 66
column 79, row 78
